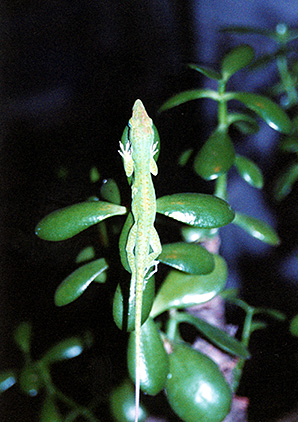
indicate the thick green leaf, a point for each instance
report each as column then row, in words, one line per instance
column 249, row 171
column 196, row 209
column 290, row 143
column 186, row 96
column 215, row 157
column 123, row 241
column 197, row 235
column 78, row 281
column 294, row 326
column 217, row 336
column 196, row 389
column 184, row 157
column 122, row 404
column 265, row 59
column 157, row 141
column 236, row 59
column 154, row 363
column 94, row 175
column 295, row 119
column 85, row 254
column 244, row 123
column 181, row 290
column 257, row 228
column 66, row 349
column 30, row 380
column 210, row 73
column 22, row 336
column 110, row 191
column 190, row 258
column 67, row 222
column 124, row 305
column 7, row 380
column 269, row 111
column 285, row 182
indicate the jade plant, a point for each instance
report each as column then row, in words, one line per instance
column 192, row 263
column 284, row 57
column 285, row 91
column 194, row 384
column 35, row 377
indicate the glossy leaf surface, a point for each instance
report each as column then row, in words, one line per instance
column 66, row 349
column 249, row 171
column 196, row 235
column 123, row 241
column 67, row 222
column 154, row 362
column 189, row 258
column 236, row 59
column 196, row 209
column 285, row 182
column 210, row 73
column 215, row 157
column 78, row 281
column 257, row 228
column 217, row 336
column 7, row 380
column 186, row 96
column 22, row 336
column 181, row 290
column 110, row 191
column 124, row 305
column 122, row 404
column 195, row 388
column 269, row 111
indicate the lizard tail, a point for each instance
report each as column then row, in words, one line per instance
column 138, row 317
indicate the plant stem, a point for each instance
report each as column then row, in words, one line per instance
column 246, row 332
column 221, row 187
column 222, row 107
column 53, row 390
column 287, row 81
column 172, row 326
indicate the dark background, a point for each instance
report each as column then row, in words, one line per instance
column 71, row 72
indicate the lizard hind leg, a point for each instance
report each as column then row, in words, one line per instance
column 154, row 270
column 152, row 257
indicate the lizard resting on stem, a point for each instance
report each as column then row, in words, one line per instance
column 143, row 244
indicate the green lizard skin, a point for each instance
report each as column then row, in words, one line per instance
column 143, row 245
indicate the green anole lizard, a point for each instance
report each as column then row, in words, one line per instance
column 143, row 244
